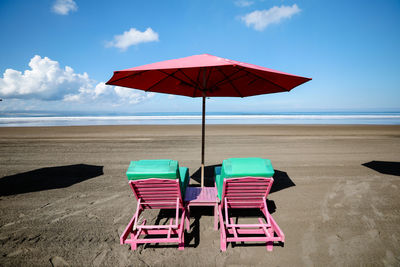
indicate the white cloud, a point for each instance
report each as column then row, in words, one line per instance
column 260, row 19
column 243, row 3
column 72, row 98
column 107, row 94
column 133, row 37
column 47, row 81
column 132, row 96
column 63, row 7
column 101, row 88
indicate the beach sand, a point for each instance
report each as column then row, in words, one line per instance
column 65, row 197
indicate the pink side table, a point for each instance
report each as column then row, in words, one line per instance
column 202, row 196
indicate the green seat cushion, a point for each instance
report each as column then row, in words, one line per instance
column 155, row 168
column 242, row 167
column 159, row 168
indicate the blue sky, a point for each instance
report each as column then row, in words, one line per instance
column 57, row 54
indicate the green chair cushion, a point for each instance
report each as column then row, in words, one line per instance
column 159, row 168
column 242, row 167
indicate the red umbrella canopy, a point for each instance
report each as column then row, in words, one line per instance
column 206, row 75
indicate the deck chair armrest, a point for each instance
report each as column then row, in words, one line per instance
column 218, row 180
column 217, row 170
column 184, row 179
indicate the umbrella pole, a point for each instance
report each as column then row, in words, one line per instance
column 203, row 126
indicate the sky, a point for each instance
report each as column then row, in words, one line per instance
column 56, row 55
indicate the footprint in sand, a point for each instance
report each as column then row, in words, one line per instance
column 98, row 260
column 57, row 261
column 17, row 252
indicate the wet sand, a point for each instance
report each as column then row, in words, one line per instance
column 65, row 198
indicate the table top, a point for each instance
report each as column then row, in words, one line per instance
column 201, row 196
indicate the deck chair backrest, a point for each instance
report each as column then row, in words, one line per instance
column 157, row 193
column 246, row 192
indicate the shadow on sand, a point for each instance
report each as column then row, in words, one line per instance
column 281, row 178
column 47, row 178
column 192, row 237
column 208, row 175
column 385, row 167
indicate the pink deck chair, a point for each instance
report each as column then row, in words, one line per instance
column 156, row 193
column 247, row 193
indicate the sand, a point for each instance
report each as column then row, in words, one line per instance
column 65, row 198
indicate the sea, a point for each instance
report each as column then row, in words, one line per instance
column 21, row 119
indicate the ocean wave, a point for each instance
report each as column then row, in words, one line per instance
column 196, row 119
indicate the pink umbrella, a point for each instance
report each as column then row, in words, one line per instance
column 206, row 76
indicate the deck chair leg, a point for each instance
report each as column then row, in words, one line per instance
column 181, row 230
column 181, row 245
column 216, row 217
column 223, row 243
column 187, row 219
column 133, row 244
column 222, row 229
column 270, row 244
